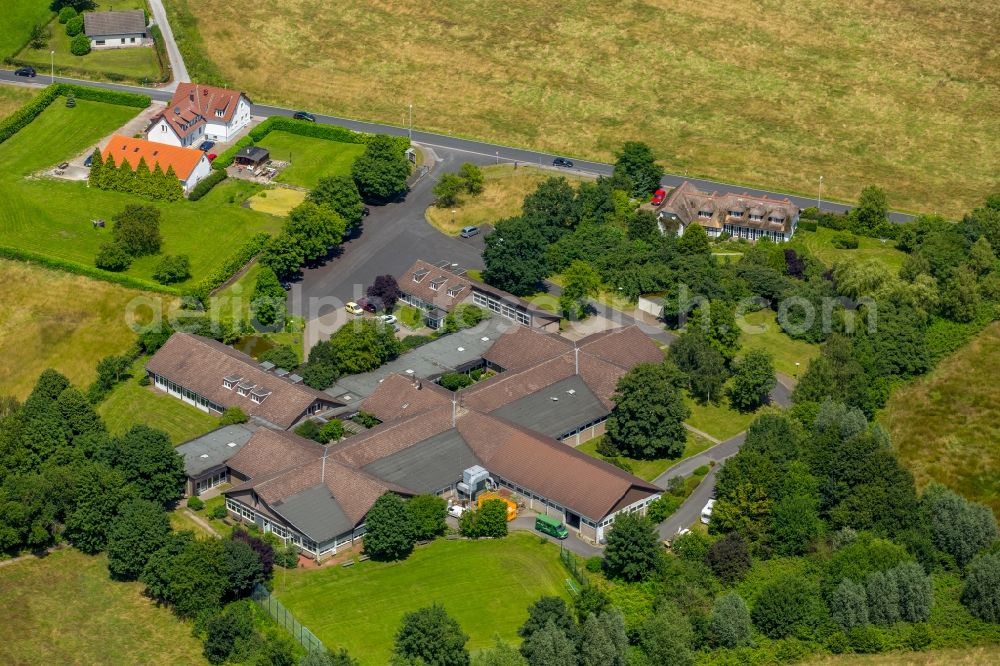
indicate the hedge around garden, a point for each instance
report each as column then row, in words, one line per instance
column 205, row 185
column 300, row 128
column 235, row 262
column 17, row 254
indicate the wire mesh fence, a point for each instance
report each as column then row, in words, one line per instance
column 572, row 563
column 280, row 614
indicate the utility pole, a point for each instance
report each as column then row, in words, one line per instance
column 52, row 57
column 411, row 123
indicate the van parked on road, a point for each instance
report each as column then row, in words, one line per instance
column 706, row 513
column 551, row 526
column 469, row 232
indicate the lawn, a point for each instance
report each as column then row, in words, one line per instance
column 13, row 98
column 650, row 469
column 63, row 609
column 310, row 158
column 18, row 17
column 717, row 419
column 51, row 319
column 818, row 243
column 760, row 330
column 504, row 189
column 945, row 426
column 130, row 404
column 277, row 201
column 52, row 217
column 900, row 94
column 410, row 316
column 486, row 585
column 139, row 64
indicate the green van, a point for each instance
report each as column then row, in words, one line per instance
column 551, row 526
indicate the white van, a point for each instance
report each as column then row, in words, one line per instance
column 706, row 513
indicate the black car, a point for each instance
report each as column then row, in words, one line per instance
column 89, row 161
column 304, row 115
column 365, row 212
column 25, row 71
column 206, row 146
column 562, row 162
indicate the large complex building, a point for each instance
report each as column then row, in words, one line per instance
column 214, row 377
column 197, row 113
column 438, row 289
column 514, row 431
column 739, row 215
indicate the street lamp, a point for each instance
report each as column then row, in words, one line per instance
column 52, row 57
column 796, row 369
column 498, row 157
column 411, row 123
column 819, row 195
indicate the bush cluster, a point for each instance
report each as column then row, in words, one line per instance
column 205, row 185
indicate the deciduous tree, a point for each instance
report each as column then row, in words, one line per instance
column 515, row 257
column 137, row 229
column 731, row 624
column 431, row 636
column 341, row 195
column 981, row 594
column 381, row 171
column 636, row 162
column 428, row 513
column 633, row 551
column 648, row 417
column 389, row 529
column 753, row 380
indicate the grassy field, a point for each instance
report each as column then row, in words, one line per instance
column 135, row 63
column 486, row 585
column 901, row 94
column 51, row 319
column 818, row 242
column 277, row 200
column 12, row 98
column 650, row 469
column 504, row 189
column 971, row 656
column 760, row 330
column 106, row 623
column 18, row 17
column 52, row 217
column 130, row 404
column 717, row 419
column 945, row 426
column 311, row 159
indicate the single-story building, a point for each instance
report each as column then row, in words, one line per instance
column 438, row 289
column 253, row 158
column 744, row 215
column 116, row 30
column 189, row 165
column 206, row 457
column 212, row 377
column 197, row 113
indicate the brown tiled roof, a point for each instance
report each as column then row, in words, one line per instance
column 270, row 451
column 585, row 485
column 626, row 347
column 390, row 438
column 522, row 347
column 193, row 104
column 495, row 392
column 436, row 286
column 199, row 364
column 686, row 200
column 398, row 396
column 102, row 24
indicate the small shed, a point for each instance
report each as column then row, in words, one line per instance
column 252, row 157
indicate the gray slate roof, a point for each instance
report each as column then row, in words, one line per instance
column 100, row 24
column 555, row 418
column 428, row 361
column 315, row 513
column 211, row 450
column 429, row 465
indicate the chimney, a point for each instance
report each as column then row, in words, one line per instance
column 322, row 473
column 576, row 359
column 454, row 409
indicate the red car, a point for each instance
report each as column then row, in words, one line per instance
column 658, row 197
column 211, row 156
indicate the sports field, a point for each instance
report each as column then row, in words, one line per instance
column 52, row 217
column 52, row 319
column 945, row 426
column 776, row 94
column 486, row 585
column 311, row 158
column 63, row 609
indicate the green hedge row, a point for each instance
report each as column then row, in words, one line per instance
column 234, row 263
column 161, row 52
column 808, row 225
column 86, row 271
column 27, row 113
column 205, row 185
column 300, row 128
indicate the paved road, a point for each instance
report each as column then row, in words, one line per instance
column 690, row 511
column 482, row 151
column 177, row 67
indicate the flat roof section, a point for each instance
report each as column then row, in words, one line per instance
column 557, row 409
column 215, row 448
column 315, row 513
column 427, row 466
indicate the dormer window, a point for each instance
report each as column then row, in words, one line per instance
column 455, row 291
column 219, row 113
column 705, row 214
column 259, row 394
column 244, row 388
column 420, row 275
column 436, row 284
column 231, row 381
column 776, row 219
column 736, row 213
column 756, row 217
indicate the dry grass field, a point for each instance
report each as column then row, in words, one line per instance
column 973, row 656
column 945, row 426
column 51, row 319
column 14, row 97
column 899, row 93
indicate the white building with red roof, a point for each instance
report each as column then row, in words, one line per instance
column 198, row 113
